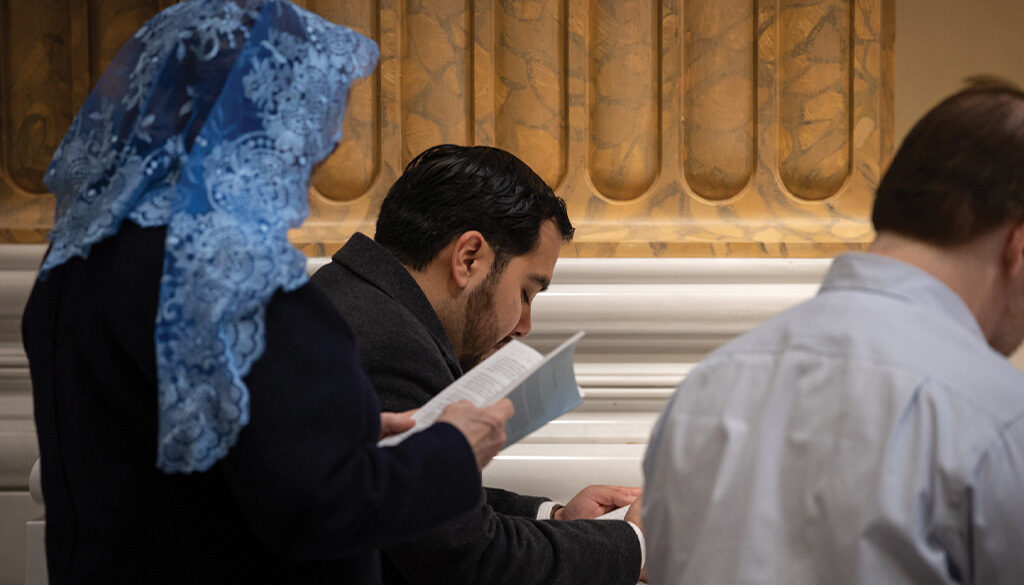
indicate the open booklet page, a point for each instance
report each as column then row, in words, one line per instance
column 616, row 514
column 541, row 388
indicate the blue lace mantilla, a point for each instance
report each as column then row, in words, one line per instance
column 208, row 121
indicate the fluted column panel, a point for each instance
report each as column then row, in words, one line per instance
column 435, row 76
column 670, row 127
column 719, row 97
column 623, row 96
column 815, row 87
column 349, row 173
column 37, row 88
column 530, row 93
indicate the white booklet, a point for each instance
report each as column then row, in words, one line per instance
column 542, row 388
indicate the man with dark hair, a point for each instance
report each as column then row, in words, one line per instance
column 959, row 172
column 874, row 434
column 465, row 240
column 487, row 205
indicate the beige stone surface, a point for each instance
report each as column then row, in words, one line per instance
column 16, row 508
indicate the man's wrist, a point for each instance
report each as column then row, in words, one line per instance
column 556, row 512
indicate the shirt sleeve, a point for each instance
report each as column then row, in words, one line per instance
column 545, row 509
column 998, row 522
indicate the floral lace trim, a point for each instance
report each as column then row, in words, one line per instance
column 208, row 121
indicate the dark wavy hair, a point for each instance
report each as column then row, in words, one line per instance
column 448, row 190
column 960, row 172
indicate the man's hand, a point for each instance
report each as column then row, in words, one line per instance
column 484, row 428
column 597, row 500
column 392, row 423
column 635, row 515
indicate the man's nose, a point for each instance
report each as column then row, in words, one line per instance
column 524, row 325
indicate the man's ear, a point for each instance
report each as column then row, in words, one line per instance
column 1013, row 249
column 471, row 258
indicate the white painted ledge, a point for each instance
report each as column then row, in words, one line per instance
column 647, row 322
column 35, row 553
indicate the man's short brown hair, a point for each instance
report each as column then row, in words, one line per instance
column 960, row 171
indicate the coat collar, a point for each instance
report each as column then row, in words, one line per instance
column 380, row 268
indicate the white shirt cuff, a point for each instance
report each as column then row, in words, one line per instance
column 544, row 511
column 643, row 544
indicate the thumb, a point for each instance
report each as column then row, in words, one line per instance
column 623, row 496
column 502, row 409
column 395, row 422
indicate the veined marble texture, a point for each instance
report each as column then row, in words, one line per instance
column 673, row 128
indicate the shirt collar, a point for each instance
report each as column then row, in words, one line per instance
column 890, row 277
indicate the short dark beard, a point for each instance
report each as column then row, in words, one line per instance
column 478, row 334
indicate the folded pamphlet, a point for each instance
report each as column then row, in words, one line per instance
column 542, row 388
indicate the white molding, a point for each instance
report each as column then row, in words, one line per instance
column 18, row 446
column 647, row 322
column 21, row 256
column 35, row 557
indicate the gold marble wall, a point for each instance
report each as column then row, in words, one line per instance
column 671, row 128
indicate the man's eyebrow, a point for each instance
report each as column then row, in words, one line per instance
column 542, row 280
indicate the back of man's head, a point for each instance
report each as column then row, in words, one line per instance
column 448, row 190
column 959, row 172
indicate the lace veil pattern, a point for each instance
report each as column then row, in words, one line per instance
column 208, row 121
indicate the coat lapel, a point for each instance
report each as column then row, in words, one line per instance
column 380, row 268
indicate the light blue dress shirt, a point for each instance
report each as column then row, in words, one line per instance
column 869, row 436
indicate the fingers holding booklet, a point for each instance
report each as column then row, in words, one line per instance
column 541, row 388
column 598, row 501
column 392, row 423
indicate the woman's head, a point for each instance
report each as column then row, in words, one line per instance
column 208, row 121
